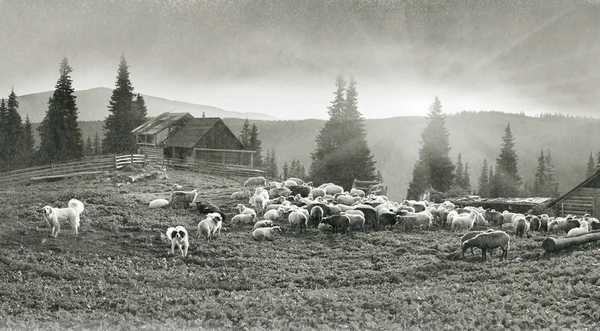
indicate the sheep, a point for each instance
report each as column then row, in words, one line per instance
column 357, row 193
column 450, row 217
column 333, row 189
column 470, row 235
column 571, row 224
column 325, row 227
column 333, row 210
column 303, row 191
column 280, row 192
column 369, row 213
column 210, row 226
column 240, row 195
column 521, row 225
column 260, row 203
column 245, row 210
column 339, row 223
column 177, row 187
column 463, row 221
column 187, row 197
column 534, row 222
column 386, row 218
column 298, row 219
column 544, row 220
column 255, row 181
column 263, row 224
column 316, row 215
column 272, row 215
column 324, row 185
column 480, row 220
column 408, row 220
column 159, row 203
column 507, row 217
column 356, row 221
column 347, row 200
column 274, row 184
column 317, row 192
column 242, row 219
column 489, row 240
column 494, row 217
column 261, row 234
column 298, row 181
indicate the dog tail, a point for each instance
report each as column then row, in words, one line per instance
column 76, row 205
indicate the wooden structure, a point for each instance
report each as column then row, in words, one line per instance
column 152, row 135
column 515, row 205
column 551, row 244
column 582, row 199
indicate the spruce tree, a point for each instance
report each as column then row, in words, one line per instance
column 286, row 171
column 14, row 138
column 551, row 183
column 122, row 118
column 591, row 167
column 458, row 172
column 539, row 184
column 466, row 179
column 245, row 135
column 484, row 180
column 29, row 151
column 140, row 111
column 255, row 145
column 3, row 138
column 97, row 146
column 342, row 152
column 379, row 176
column 60, row 136
column 273, row 166
column 507, row 181
column 433, row 169
column 89, row 147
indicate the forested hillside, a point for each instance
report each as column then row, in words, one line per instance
column 477, row 135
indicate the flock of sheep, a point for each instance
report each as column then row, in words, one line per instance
column 267, row 206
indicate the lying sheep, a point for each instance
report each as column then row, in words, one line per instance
column 469, row 235
column 317, row 192
column 298, row 219
column 489, row 240
column 571, row 224
column 210, row 226
column 255, row 181
column 263, row 224
column 272, row 215
column 338, row 223
column 159, row 203
column 240, row 195
column 357, row 193
column 183, row 197
column 261, row 234
column 245, row 210
column 242, row 219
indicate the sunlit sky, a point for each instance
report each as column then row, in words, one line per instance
column 281, row 57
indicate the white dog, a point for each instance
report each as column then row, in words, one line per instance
column 178, row 235
column 54, row 216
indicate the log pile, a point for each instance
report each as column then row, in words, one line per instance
column 551, row 244
column 157, row 173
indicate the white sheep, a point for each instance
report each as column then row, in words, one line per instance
column 356, row 221
column 263, row 224
column 333, row 189
column 408, row 220
column 347, row 199
column 272, row 215
column 245, row 210
column 489, row 240
column 316, row 215
column 582, row 229
column 242, row 219
column 289, row 183
column 159, row 203
column 240, row 195
column 256, row 181
column 210, row 226
column 357, row 192
column 188, row 197
column 463, row 221
column 317, row 192
column 298, row 219
column 260, row 203
column 470, row 235
column 298, row 181
column 280, row 192
column 521, row 225
column 261, row 234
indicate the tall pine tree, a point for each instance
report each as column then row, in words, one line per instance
column 484, row 181
column 434, row 168
column 551, row 183
column 539, row 184
column 29, row 146
column 3, row 137
column 285, row 171
column 140, row 111
column 458, row 172
column 60, row 136
column 342, row 152
column 123, row 117
column 507, row 182
column 245, row 134
column 255, row 145
column 89, row 147
column 466, row 179
column 591, row 167
column 14, row 138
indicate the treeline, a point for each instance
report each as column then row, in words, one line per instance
column 434, row 172
column 59, row 133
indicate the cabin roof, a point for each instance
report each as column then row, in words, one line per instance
column 159, row 123
column 575, row 189
column 191, row 132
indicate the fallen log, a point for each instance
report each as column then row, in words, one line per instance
column 160, row 174
column 551, row 244
column 86, row 173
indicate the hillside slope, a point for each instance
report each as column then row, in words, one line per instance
column 395, row 143
column 92, row 105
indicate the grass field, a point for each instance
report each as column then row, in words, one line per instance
column 119, row 274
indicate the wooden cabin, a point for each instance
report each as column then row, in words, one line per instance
column 184, row 139
column 582, row 199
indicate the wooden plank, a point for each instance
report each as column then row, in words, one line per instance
column 69, row 175
column 224, row 150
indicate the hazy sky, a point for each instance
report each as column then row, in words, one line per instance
column 281, row 57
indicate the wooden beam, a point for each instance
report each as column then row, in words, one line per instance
column 224, row 150
column 551, row 244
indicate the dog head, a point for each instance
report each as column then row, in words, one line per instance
column 46, row 211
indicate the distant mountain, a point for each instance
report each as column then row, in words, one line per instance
column 395, row 143
column 92, row 105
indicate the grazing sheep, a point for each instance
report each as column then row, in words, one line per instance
column 245, row 210
column 159, row 203
column 185, row 197
column 280, row 192
column 463, row 221
column 261, row 234
column 544, row 220
column 357, row 193
column 240, row 195
column 480, row 220
column 408, row 220
column 255, row 181
column 494, row 217
column 356, row 221
column 317, row 192
column 521, row 225
column 386, row 218
column 298, row 219
column 316, row 215
column 369, row 213
column 210, row 226
column 470, row 235
column 339, row 223
column 242, row 219
column 534, row 222
column 489, row 240
column 263, row 224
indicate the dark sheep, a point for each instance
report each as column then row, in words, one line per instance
column 339, row 223
column 316, row 215
column 205, row 207
column 387, row 219
column 534, row 223
column 304, row 191
column 489, row 240
column 571, row 224
column 370, row 214
column 494, row 217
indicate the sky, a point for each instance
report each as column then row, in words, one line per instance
column 281, row 57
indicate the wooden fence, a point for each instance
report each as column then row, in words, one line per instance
column 104, row 163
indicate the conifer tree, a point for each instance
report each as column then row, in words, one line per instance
column 97, row 146
column 3, row 138
column 29, row 151
column 122, row 118
column 551, row 183
column 140, row 111
column 484, row 180
column 342, row 152
column 539, row 184
column 507, row 181
column 14, row 138
column 89, row 147
column 434, row 169
column 458, row 172
column 60, row 136
column 591, row 167
column 379, row 176
column 245, row 135
column 255, row 145
column 286, row 170
column 466, row 179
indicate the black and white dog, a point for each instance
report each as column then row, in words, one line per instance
column 54, row 216
column 178, row 235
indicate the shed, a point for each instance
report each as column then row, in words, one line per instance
column 152, row 135
column 582, row 199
